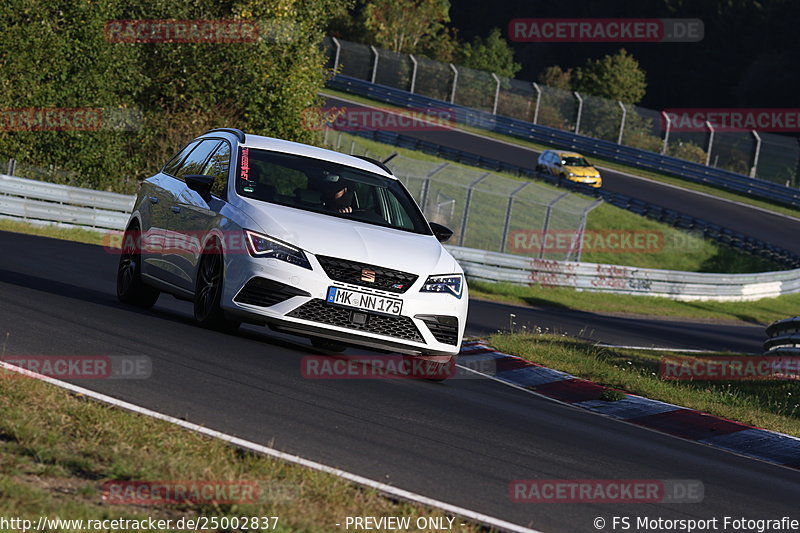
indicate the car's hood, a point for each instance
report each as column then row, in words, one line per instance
column 583, row 172
column 322, row 234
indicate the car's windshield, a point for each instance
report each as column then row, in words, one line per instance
column 573, row 161
column 326, row 187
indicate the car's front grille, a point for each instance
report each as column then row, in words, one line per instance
column 443, row 328
column 266, row 292
column 401, row 327
column 384, row 279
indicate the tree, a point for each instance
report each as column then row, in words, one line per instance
column 403, row 25
column 492, row 54
column 556, row 77
column 616, row 77
column 56, row 55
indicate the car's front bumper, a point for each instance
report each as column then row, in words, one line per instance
column 293, row 300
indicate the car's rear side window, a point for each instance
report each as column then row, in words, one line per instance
column 218, row 166
column 196, row 161
column 175, row 163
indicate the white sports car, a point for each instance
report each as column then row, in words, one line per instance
column 306, row 240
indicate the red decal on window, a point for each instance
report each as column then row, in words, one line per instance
column 244, row 172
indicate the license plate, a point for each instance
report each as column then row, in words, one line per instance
column 362, row 300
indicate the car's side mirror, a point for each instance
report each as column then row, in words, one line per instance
column 200, row 183
column 442, row 233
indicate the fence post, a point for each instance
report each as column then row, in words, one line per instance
column 496, row 92
column 413, row 73
column 374, row 64
column 508, row 213
column 12, row 166
column 546, row 225
column 580, row 109
column 423, row 195
column 668, row 122
column 538, row 99
column 467, row 202
column 338, row 53
column 455, row 82
column 755, row 156
column 710, row 142
column 582, row 227
column 622, row 122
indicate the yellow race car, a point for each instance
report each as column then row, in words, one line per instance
column 569, row 165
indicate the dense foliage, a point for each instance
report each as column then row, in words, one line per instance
column 58, row 55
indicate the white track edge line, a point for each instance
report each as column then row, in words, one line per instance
column 264, row 450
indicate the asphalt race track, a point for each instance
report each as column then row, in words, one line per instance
column 462, row 441
column 772, row 228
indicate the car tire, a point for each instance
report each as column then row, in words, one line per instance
column 208, row 292
column 131, row 290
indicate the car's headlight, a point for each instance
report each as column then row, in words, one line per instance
column 265, row 246
column 450, row 283
column 571, row 174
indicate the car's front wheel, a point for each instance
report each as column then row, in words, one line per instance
column 131, row 289
column 208, row 292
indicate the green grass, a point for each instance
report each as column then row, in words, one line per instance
column 613, row 165
column 57, row 449
column 56, row 232
column 675, row 250
column 773, row 405
column 761, row 311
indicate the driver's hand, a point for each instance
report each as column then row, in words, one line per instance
column 347, row 209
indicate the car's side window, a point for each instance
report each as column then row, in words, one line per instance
column 176, row 161
column 196, row 160
column 218, row 166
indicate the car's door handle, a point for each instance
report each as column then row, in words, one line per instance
column 175, row 209
column 153, row 199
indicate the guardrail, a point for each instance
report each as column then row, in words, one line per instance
column 728, row 237
column 635, row 157
column 47, row 202
column 41, row 201
column 686, row 286
column 784, row 337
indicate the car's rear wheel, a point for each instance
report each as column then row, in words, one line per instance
column 131, row 289
column 208, row 292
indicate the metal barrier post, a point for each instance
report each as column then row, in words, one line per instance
column 467, row 202
column 338, row 53
column 374, row 64
column 496, row 93
column 12, row 167
column 582, row 227
column 455, row 82
column 508, row 213
column 546, row 225
column 580, row 109
column 668, row 122
column 710, row 142
column 413, row 73
column 538, row 99
column 423, row 195
column 755, row 156
column 622, row 122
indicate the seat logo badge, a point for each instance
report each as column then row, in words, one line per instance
column 367, row 275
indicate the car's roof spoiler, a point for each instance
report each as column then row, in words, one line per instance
column 376, row 163
column 239, row 133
